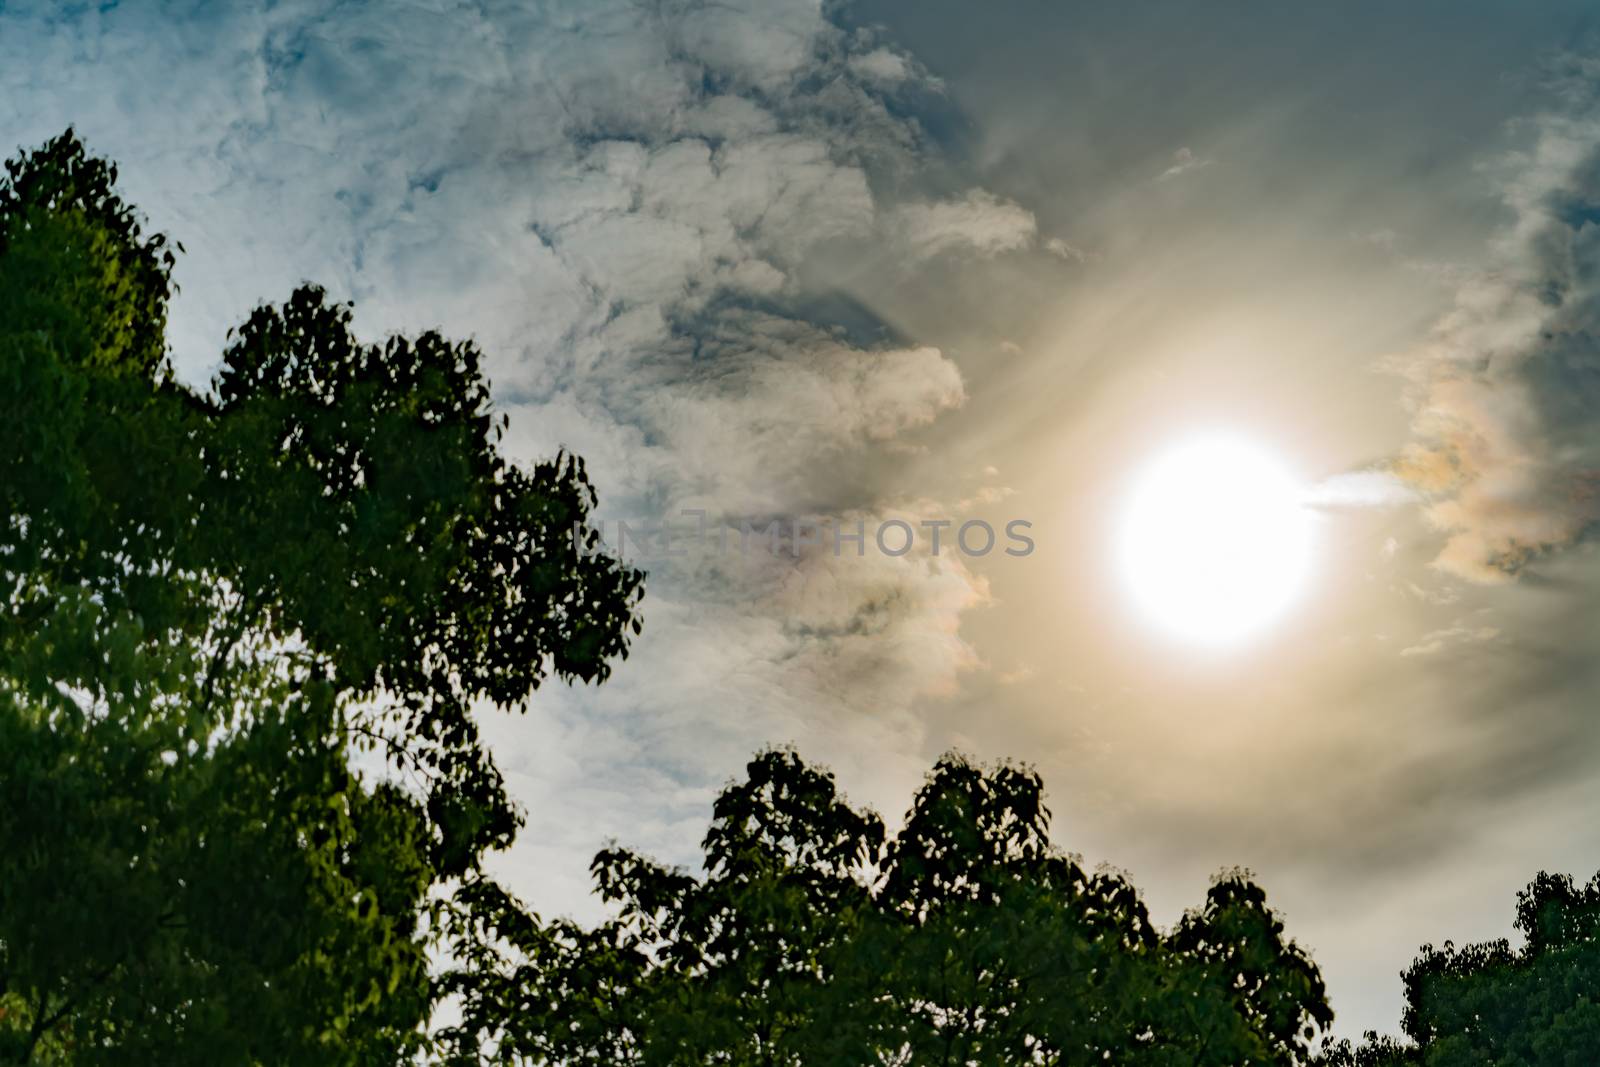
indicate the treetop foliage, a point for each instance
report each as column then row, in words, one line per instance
column 813, row 937
column 215, row 599
column 1534, row 1006
column 244, row 806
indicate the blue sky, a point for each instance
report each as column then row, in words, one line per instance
column 949, row 260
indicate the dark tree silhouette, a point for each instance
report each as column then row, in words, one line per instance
column 1536, row 1006
column 212, row 599
column 814, row 938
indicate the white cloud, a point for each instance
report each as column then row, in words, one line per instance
column 1070, row 252
column 1361, row 489
column 1504, row 389
column 1183, row 161
column 883, row 65
column 978, row 222
column 1437, row 641
column 615, row 201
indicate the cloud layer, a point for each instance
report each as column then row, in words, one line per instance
column 1508, row 449
column 617, row 200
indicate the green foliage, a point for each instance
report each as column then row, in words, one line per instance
column 217, row 601
column 1537, row 1006
column 220, row 604
column 814, row 938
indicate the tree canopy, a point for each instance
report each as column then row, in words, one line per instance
column 1534, row 1006
column 814, row 937
column 215, row 601
column 244, row 806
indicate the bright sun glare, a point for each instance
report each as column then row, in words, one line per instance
column 1214, row 540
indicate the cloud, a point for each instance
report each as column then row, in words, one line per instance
column 1506, row 445
column 978, row 222
column 1062, row 249
column 1360, row 489
column 1183, row 161
column 617, row 201
column 986, row 496
column 1438, row 640
column 1389, row 242
column 885, row 66
column 1018, row 676
column 761, row 409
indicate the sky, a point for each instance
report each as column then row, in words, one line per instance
column 878, row 262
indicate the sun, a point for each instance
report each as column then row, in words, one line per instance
column 1214, row 540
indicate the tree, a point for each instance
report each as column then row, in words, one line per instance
column 816, row 938
column 1536, row 1006
column 219, row 604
